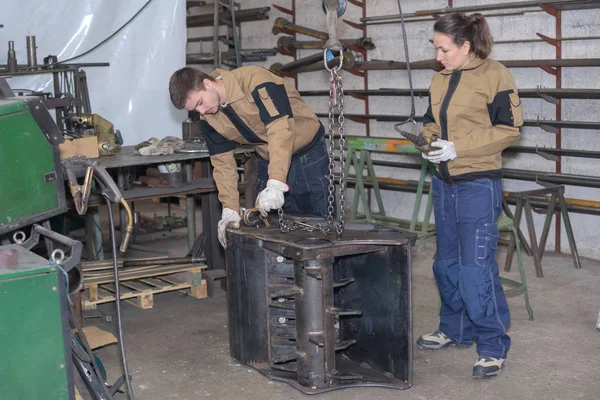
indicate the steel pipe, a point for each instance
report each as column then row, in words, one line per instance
column 383, row 65
column 288, row 45
column 542, row 123
column 523, row 93
column 556, row 4
column 251, row 14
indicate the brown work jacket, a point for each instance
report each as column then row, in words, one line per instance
column 478, row 108
column 264, row 111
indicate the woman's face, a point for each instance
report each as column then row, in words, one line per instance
column 449, row 53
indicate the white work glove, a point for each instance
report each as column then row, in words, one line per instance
column 271, row 198
column 446, row 152
column 229, row 218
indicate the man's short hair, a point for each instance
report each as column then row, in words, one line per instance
column 184, row 81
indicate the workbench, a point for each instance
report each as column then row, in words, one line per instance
column 204, row 187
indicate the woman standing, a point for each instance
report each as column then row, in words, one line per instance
column 476, row 113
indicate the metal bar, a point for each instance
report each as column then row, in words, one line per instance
column 383, row 65
column 523, row 93
column 558, row 73
column 542, row 40
column 547, row 221
column 575, row 205
column 532, row 237
column 301, row 62
column 531, row 176
column 190, row 203
column 215, row 37
column 211, row 213
column 419, row 196
column 527, row 122
column 205, row 39
column 377, row 192
column 556, row 4
column 428, row 18
column 348, row 63
column 282, row 25
column 289, row 44
column 251, row 14
column 569, row 230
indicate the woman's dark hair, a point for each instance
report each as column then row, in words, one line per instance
column 472, row 28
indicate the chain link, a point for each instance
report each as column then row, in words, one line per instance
column 336, row 102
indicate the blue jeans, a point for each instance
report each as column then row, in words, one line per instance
column 474, row 307
column 307, row 178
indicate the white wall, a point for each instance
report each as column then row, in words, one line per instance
column 388, row 39
column 133, row 92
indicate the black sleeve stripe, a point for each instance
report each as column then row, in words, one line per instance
column 216, row 143
column 500, row 109
column 428, row 117
column 279, row 97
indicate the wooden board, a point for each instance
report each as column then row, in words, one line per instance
column 138, row 287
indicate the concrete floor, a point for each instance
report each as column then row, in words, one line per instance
column 179, row 349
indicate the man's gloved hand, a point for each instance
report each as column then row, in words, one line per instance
column 229, row 218
column 271, row 198
column 445, row 153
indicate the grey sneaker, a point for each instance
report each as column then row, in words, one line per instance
column 437, row 340
column 487, row 367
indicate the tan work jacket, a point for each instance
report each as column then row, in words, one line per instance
column 478, row 108
column 264, row 111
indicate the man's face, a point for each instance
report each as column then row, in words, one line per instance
column 204, row 101
column 449, row 54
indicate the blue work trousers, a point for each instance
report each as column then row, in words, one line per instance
column 307, row 179
column 474, row 307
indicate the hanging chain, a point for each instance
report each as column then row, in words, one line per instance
column 336, row 103
column 342, row 146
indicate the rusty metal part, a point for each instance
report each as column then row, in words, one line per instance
column 322, row 313
column 9, row 258
column 247, row 15
column 288, row 45
column 252, row 217
column 282, row 25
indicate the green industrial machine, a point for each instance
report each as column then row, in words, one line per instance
column 32, row 177
column 36, row 360
column 35, row 356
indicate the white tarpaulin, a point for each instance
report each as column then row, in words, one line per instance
column 133, row 92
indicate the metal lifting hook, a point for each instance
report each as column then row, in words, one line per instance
column 411, row 118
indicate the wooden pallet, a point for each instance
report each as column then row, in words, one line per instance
column 139, row 285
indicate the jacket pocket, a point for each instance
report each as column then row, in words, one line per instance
column 516, row 108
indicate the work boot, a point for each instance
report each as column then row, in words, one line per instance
column 437, row 340
column 487, row 367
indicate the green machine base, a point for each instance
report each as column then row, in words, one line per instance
column 35, row 355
